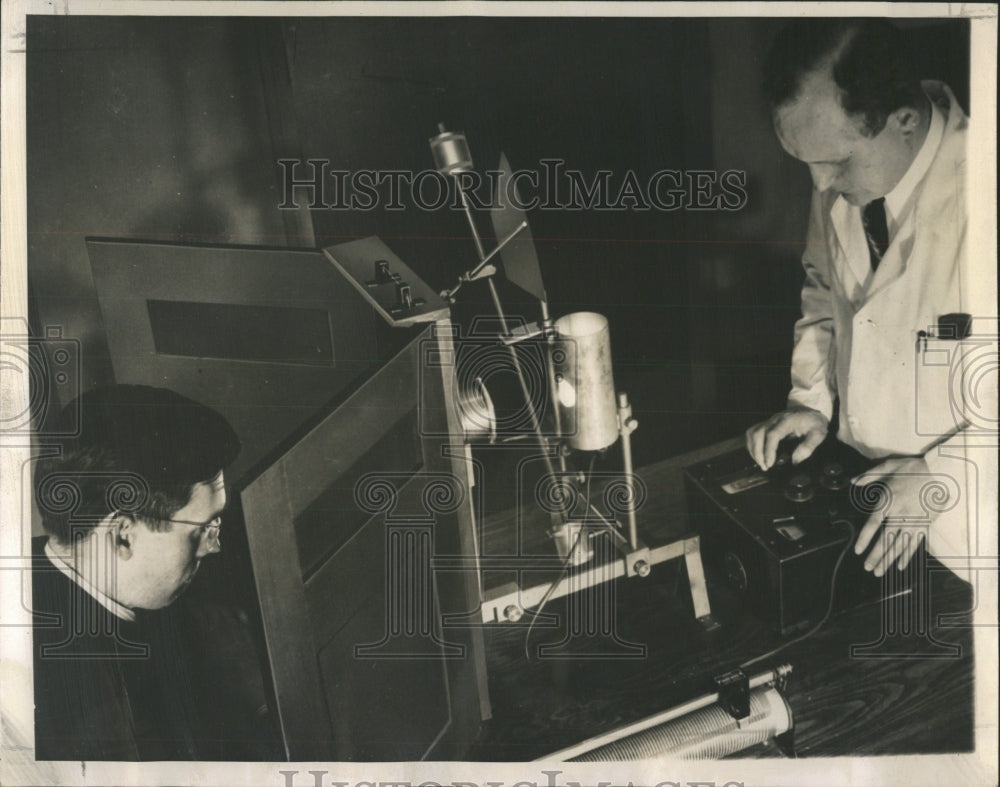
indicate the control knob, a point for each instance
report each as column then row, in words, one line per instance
column 799, row 488
column 833, row 477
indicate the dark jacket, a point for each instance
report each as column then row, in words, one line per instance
column 106, row 688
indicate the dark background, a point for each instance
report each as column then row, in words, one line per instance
column 170, row 129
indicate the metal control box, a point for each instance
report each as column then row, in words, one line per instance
column 775, row 537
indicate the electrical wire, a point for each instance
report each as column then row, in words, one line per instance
column 565, row 564
column 829, row 607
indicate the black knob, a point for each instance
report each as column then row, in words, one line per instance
column 736, row 572
column 799, row 488
column 833, row 476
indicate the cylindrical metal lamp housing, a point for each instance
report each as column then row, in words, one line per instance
column 451, row 153
column 584, row 382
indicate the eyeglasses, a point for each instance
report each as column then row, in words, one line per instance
column 209, row 530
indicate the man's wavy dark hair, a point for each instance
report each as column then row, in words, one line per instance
column 873, row 65
column 139, row 450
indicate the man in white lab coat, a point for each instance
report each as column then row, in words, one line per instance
column 885, row 260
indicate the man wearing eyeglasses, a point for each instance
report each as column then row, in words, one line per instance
column 131, row 506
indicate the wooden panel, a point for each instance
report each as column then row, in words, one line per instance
column 334, row 516
column 287, row 626
column 352, row 576
column 265, row 400
column 460, row 591
column 398, row 708
column 351, row 610
column 270, row 504
column 334, row 445
column 359, row 569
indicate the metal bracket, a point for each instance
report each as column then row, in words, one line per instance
column 485, row 269
column 638, row 562
column 393, row 289
column 699, row 587
column 522, row 333
column 508, row 602
column 734, row 693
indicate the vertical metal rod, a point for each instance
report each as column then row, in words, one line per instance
column 536, row 425
column 472, row 226
column 550, row 370
column 625, row 427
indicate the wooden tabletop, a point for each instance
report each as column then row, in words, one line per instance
column 853, row 691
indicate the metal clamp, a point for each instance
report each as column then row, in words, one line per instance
column 734, row 693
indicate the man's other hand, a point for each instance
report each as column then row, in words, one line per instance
column 763, row 438
column 898, row 527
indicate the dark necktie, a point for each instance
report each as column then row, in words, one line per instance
column 876, row 230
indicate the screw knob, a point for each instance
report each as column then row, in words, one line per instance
column 833, row 477
column 799, row 488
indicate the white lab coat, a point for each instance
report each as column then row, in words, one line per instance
column 858, row 340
